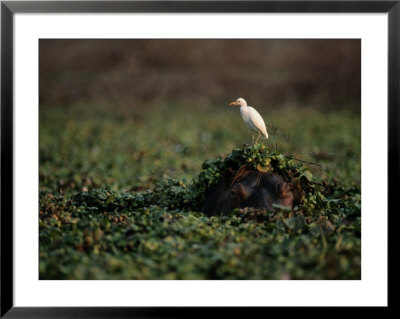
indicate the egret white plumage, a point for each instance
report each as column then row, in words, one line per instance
column 252, row 118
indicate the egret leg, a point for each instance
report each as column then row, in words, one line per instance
column 259, row 134
column 252, row 142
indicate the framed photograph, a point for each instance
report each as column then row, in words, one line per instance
column 163, row 155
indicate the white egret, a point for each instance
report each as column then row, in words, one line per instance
column 252, row 118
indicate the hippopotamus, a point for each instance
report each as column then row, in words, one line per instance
column 249, row 189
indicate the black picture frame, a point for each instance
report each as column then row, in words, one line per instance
column 9, row 8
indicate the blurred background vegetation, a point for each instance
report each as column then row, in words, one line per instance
column 125, row 113
column 269, row 73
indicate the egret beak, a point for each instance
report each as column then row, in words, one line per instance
column 234, row 103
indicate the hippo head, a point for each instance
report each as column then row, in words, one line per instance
column 251, row 189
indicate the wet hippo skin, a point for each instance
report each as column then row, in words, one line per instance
column 254, row 189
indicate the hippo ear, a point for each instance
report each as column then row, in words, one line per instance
column 240, row 192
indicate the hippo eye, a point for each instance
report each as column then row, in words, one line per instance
column 238, row 190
